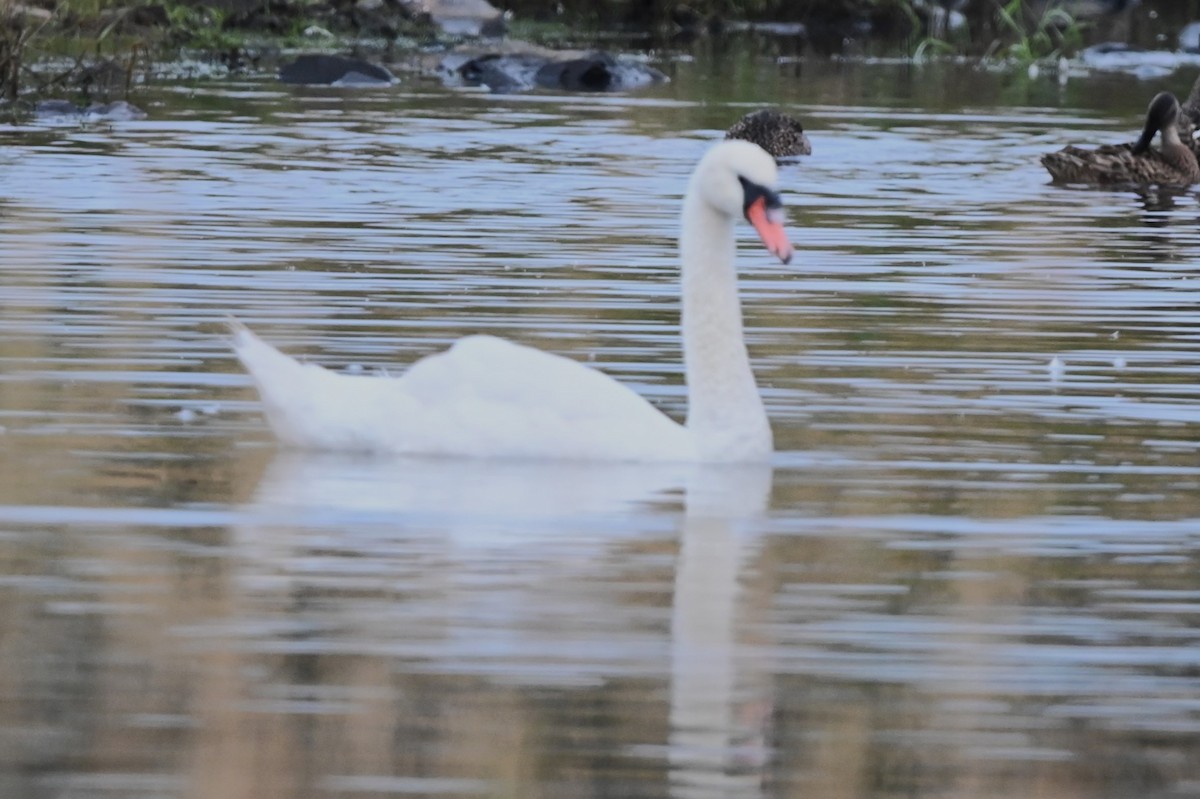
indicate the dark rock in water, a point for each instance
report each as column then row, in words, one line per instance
column 118, row 111
column 597, row 72
column 603, row 72
column 335, row 70
column 502, row 74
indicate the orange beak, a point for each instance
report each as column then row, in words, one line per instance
column 769, row 224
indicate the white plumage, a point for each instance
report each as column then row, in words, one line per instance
column 488, row 397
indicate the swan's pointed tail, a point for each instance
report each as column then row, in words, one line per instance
column 267, row 365
column 311, row 407
column 285, row 385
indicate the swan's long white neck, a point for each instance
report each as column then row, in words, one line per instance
column 725, row 411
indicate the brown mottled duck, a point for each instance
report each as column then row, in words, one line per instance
column 1133, row 164
column 779, row 134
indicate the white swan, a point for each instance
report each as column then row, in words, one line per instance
column 487, row 397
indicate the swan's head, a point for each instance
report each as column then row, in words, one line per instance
column 737, row 178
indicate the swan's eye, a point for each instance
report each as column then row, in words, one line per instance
column 752, row 191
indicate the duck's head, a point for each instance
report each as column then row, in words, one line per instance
column 788, row 139
column 1162, row 115
column 737, row 178
column 778, row 133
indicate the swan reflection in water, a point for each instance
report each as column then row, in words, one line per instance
column 521, row 574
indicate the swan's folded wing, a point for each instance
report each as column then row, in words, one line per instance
column 493, row 369
column 484, row 397
column 503, row 396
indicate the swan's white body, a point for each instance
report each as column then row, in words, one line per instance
column 487, row 397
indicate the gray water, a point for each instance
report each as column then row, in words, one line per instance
column 971, row 569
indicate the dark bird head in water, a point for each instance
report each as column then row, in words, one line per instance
column 1163, row 114
column 779, row 134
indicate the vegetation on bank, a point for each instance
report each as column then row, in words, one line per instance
column 99, row 46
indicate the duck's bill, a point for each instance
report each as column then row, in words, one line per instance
column 769, row 224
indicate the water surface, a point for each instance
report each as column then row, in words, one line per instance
column 969, row 571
